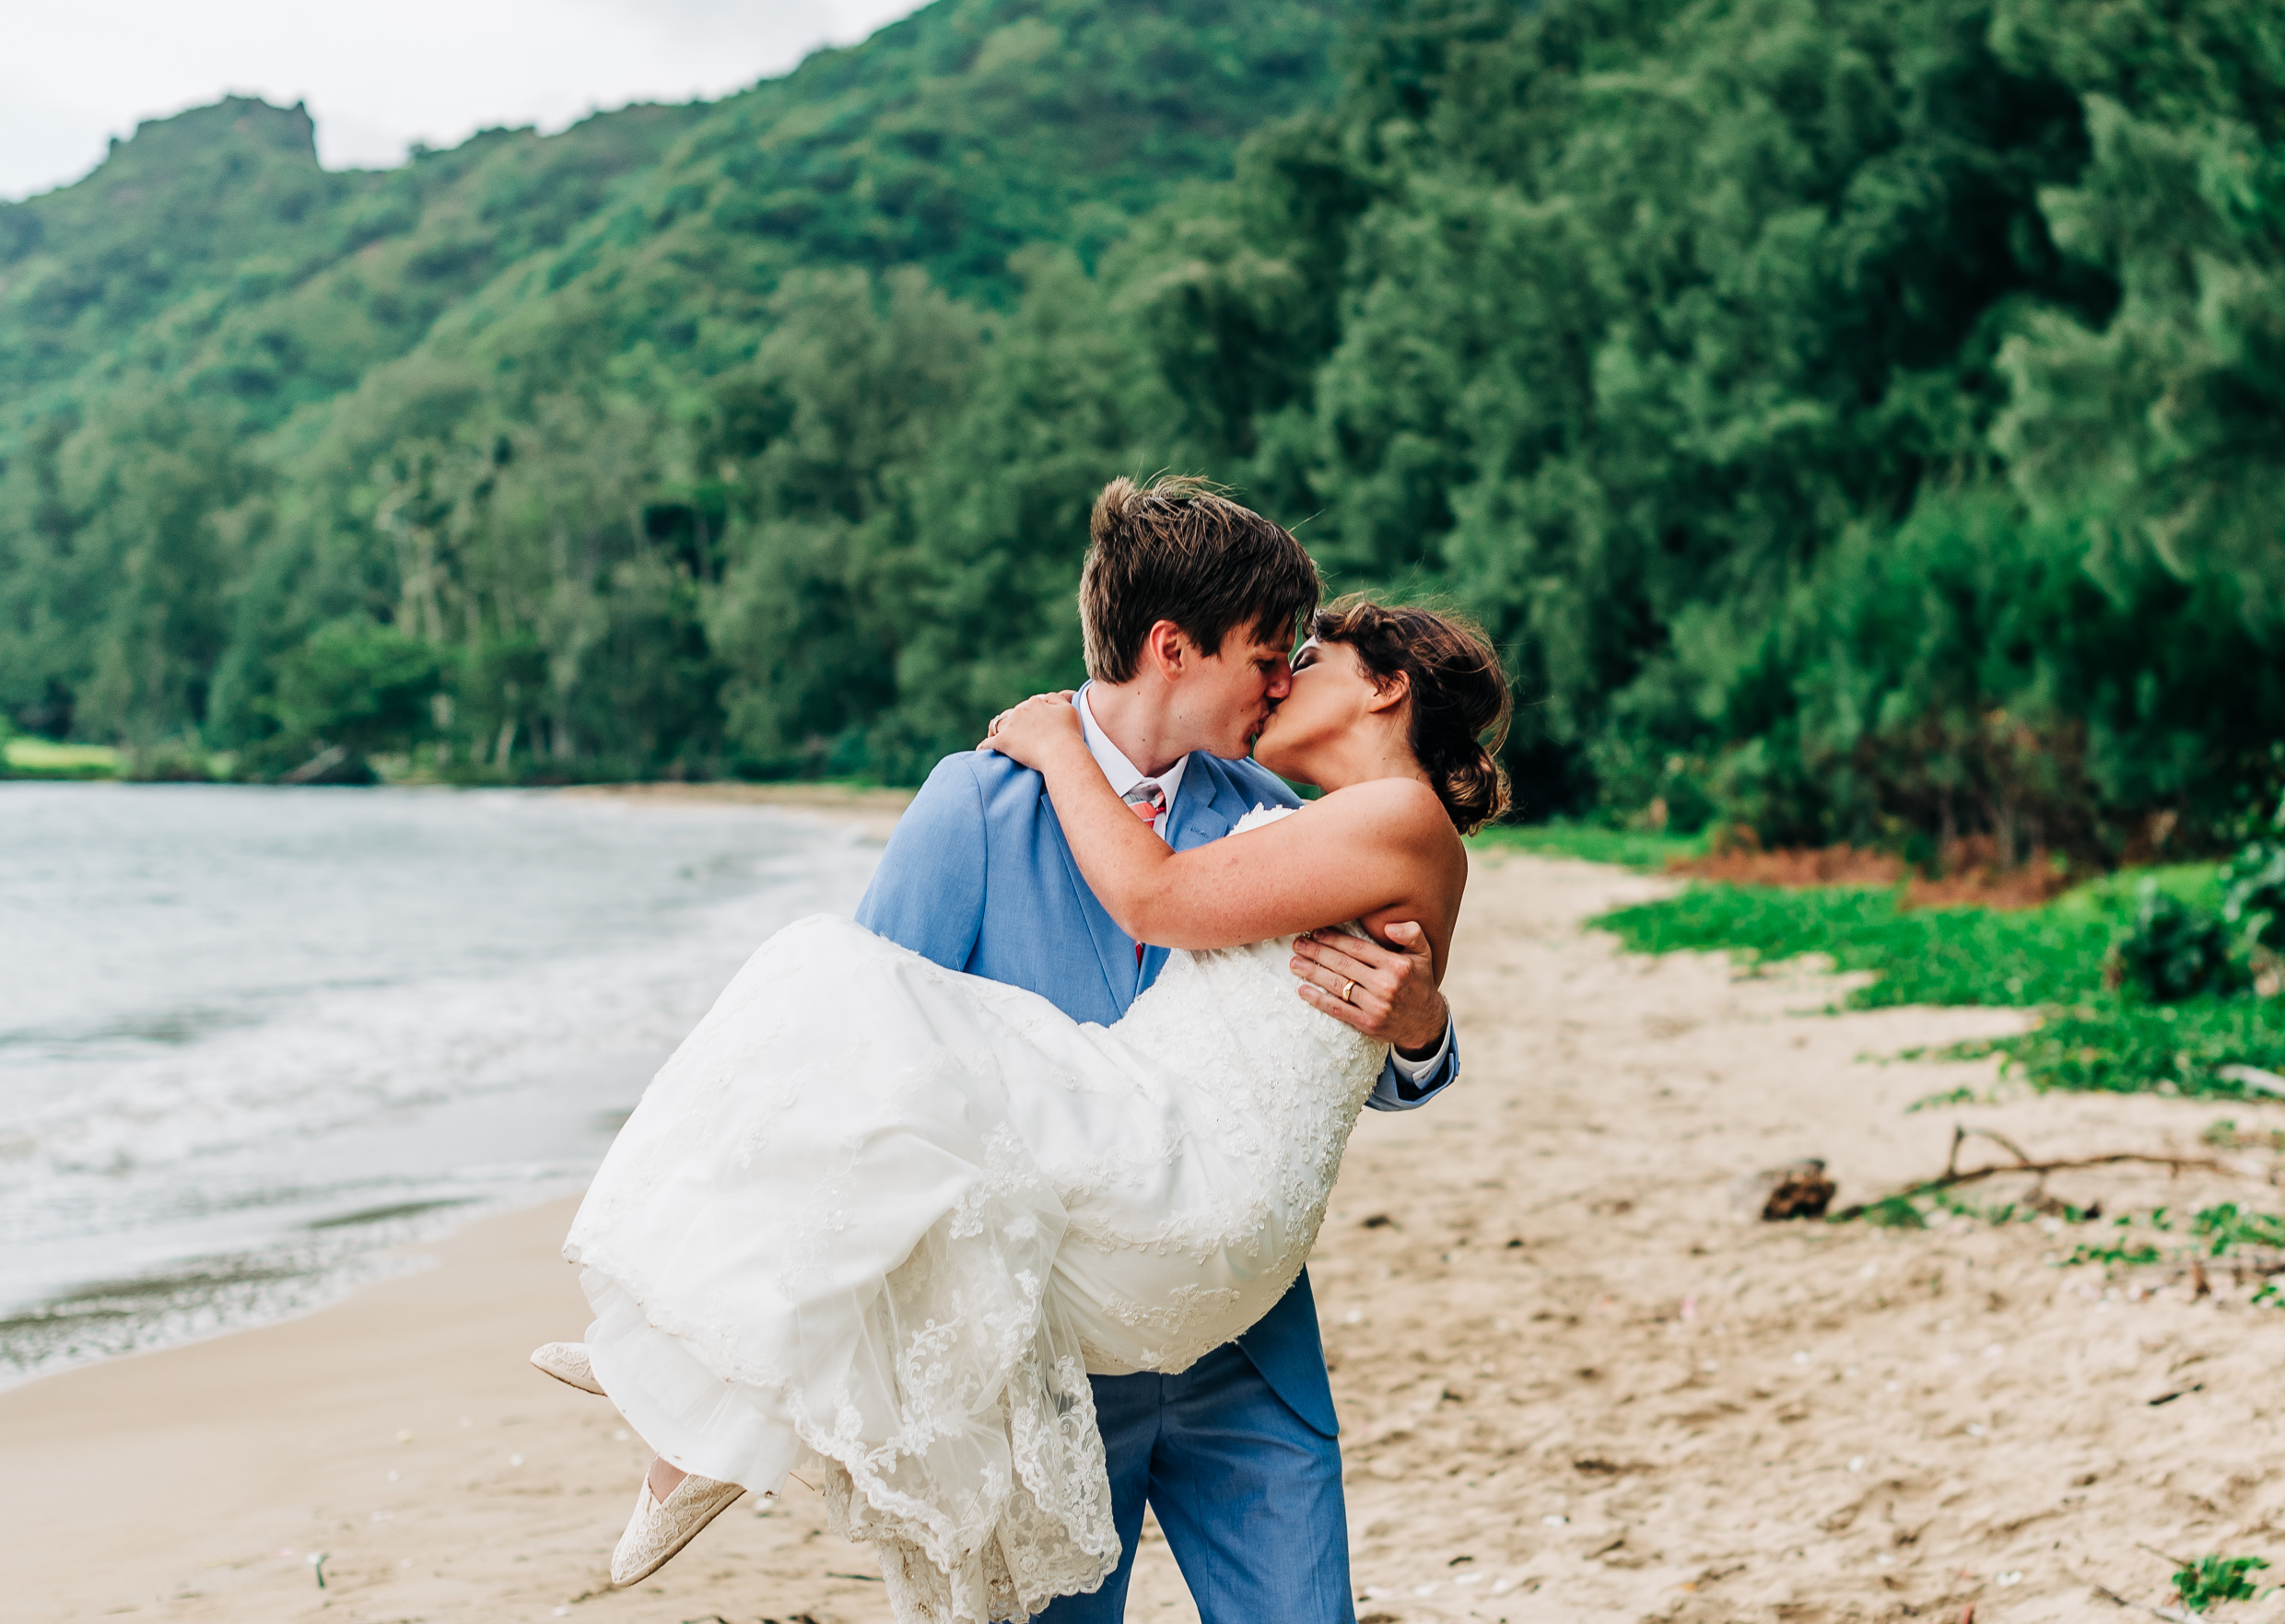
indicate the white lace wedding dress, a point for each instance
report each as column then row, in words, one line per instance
column 884, row 1218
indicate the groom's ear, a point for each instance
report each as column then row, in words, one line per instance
column 1167, row 649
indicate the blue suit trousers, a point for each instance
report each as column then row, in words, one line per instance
column 1247, row 1493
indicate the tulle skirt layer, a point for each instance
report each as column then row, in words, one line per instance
column 849, row 1261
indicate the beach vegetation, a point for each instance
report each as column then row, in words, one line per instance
column 2253, row 891
column 2140, row 982
column 2213, row 1578
column 2219, row 1230
column 2172, row 951
column 30, row 756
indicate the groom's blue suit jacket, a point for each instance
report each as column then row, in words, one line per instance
column 979, row 878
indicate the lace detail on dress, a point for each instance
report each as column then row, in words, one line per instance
column 899, row 1254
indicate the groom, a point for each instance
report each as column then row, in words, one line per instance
column 1190, row 604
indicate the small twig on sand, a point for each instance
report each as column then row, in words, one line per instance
column 1960, row 1135
column 2164, row 1556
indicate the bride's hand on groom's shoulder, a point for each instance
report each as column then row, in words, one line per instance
column 1030, row 732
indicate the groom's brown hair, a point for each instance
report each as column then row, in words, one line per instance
column 1176, row 549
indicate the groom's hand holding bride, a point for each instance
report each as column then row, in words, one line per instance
column 1387, row 993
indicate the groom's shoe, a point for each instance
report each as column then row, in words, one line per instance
column 657, row 1531
column 568, row 1363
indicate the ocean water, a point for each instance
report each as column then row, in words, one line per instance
column 252, row 1039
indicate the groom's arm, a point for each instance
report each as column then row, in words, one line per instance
column 928, row 894
column 1406, row 1083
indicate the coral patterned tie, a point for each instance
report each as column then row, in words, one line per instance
column 1149, row 800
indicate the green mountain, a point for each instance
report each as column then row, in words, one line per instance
column 212, row 252
column 211, row 255
column 193, row 338
column 1856, row 421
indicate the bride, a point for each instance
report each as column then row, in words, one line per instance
column 877, row 1220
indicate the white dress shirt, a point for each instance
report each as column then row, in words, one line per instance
column 1124, row 776
column 1123, row 773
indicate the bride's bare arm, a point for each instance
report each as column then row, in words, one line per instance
column 1356, row 852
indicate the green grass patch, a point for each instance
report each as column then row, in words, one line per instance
column 2118, row 1047
column 1591, row 843
column 2050, row 958
column 2220, row 1231
column 1930, row 956
column 43, row 759
column 2209, row 1580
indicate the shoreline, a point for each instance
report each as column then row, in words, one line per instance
column 872, row 809
column 230, row 1292
column 399, row 1433
column 872, row 812
column 304, row 1292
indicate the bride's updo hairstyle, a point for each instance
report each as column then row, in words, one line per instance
column 1458, row 696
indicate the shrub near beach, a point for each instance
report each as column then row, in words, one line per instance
column 2140, row 980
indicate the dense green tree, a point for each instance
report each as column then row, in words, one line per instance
column 2162, row 425
column 1645, row 306
column 818, row 439
column 350, row 689
column 1661, row 298
column 986, row 574
column 146, row 493
column 1964, row 673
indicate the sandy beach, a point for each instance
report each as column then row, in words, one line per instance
column 1575, row 1385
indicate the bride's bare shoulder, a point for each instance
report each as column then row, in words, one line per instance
column 1403, row 806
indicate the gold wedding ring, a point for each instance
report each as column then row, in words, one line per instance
column 1347, row 990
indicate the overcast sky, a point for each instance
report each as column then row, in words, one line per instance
column 380, row 76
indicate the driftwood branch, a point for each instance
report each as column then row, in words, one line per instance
column 1954, row 1174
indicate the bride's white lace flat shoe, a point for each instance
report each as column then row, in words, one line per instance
column 568, row 1363
column 657, row 1531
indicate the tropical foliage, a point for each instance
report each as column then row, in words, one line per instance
column 2138, row 983
column 1857, row 421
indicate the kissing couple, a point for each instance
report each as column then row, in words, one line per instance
column 987, row 1211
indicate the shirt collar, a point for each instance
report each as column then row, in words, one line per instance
column 1123, row 773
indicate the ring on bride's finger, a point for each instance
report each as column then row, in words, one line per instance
column 992, row 732
column 1347, row 990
